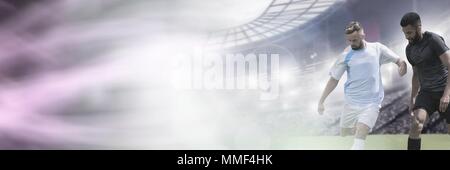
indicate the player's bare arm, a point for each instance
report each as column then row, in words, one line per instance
column 331, row 85
column 414, row 90
column 445, row 58
column 401, row 67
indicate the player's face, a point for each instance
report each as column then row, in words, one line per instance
column 411, row 32
column 355, row 40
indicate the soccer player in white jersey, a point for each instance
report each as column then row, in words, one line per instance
column 363, row 89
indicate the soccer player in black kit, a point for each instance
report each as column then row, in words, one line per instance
column 430, row 58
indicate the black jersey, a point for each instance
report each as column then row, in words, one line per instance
column 424, row 56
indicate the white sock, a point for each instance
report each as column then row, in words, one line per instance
column 358, row 144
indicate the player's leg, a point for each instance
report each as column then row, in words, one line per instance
column 362, row 131
column 347, row 132
column 348, row 121
column 417, row 123
column 366, row 121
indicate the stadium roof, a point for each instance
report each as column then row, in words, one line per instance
column 279, row 17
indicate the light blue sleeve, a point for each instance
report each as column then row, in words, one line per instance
column 387, row 55
column 338, row 68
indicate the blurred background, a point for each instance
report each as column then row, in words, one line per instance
column 79, row 74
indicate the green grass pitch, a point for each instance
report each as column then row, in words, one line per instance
column 373, row 142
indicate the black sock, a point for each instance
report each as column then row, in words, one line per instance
column 414, row 144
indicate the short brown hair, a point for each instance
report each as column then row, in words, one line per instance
column 352, row 27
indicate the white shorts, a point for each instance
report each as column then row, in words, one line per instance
column 367, row 115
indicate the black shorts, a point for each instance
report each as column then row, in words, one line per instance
column 430, row 102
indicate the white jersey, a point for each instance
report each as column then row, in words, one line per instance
column 363, row 86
